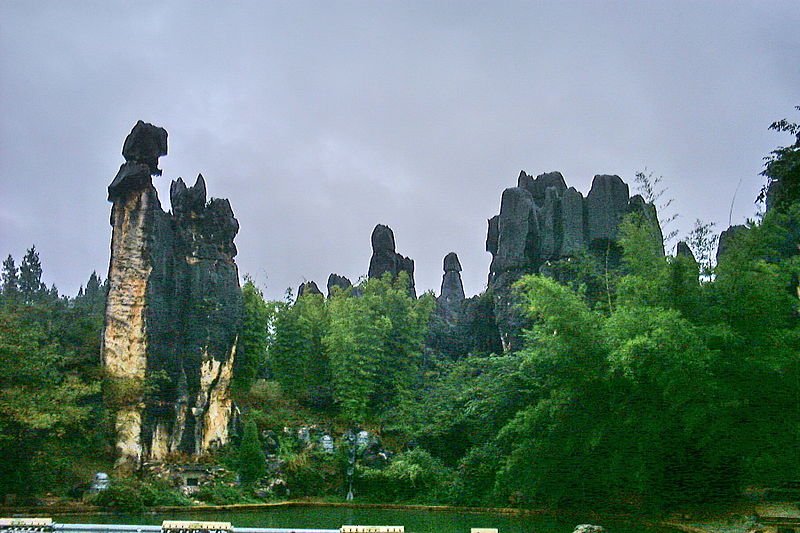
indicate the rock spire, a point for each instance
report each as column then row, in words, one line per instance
column 386, row 259
column 172, row 313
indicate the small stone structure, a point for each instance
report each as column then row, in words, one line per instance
column 588, row 528
column 190, row 478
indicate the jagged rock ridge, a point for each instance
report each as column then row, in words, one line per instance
column 173, row 310
column 335, row 280
column 542, row 220
column 308, row 287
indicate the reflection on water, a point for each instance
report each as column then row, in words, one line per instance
column 415, row 521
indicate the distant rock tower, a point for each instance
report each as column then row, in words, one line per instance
column 173, row 311
column 451, row 297
column 386, row 259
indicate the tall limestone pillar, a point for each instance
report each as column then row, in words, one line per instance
column 173, row 311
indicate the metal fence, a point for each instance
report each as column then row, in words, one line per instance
column 46, row 525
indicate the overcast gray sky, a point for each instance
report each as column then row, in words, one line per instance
column 321, row 119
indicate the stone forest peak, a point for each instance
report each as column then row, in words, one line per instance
column 174, row 304
column 173, row 310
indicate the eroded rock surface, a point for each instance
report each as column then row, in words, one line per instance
column 173, row 310
column 542, row 220
column 386, row 259
column 682, row 250
column 308, row 287
column 727, row 237
column 451, row 297
column 335, row 280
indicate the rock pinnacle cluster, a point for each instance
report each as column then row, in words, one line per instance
column 173, row 310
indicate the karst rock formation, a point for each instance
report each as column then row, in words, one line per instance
column 451, row 297
column 336, row 281
column 173, row 310
column 542, row 220
column 308, row 288
column 386, row 259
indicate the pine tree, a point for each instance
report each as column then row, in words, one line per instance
column 252, row 462
column 251, row 356
column 10, row 280
column 30, row 277
column 93, row 286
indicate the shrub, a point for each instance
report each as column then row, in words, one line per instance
column 134, row 495
column 225, row 495
column 313, row 473
column 477, row 471
column 414, row 475
column 252, row 463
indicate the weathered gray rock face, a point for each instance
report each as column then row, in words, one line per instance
column 308, row 287
column 573, row 223
column 493, row 234
column 335, row 280
column 386, row 259
column 518, row 231
column 542, row 220
column 606, row 204
column 726, row 237
column 173, row 310
column 145, row 144
column 682, row 250
column 451, row 297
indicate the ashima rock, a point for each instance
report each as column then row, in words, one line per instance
column 541, row 220
column 173, row 310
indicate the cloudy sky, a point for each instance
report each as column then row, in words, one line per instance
column 321, row 119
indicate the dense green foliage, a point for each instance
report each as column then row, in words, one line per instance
column 412, row 476
column 351, row 357
column 374, row 345
column 251, row 352
column 297, row 358
column 132, row 495
column 660, row 381
column 51, row 415
column 782, row 168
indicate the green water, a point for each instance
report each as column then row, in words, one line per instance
column 415, row 521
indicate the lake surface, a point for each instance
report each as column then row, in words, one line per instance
column 415, row 521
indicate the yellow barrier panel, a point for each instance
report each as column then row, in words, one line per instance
column 26, row 524
column 187, row 525
column 372, row 529
column 483, row 530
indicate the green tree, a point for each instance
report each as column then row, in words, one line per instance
column 752, row 314
column 703, row 243
column 251, row 353
column 622, row 406
column 549, row 447
column 252, row 462
column 41, row 401
column 374, row 344
column 782, row 169
column 10, row 278
column 645, row 268
column 297, row 356
column 650, row 187
column 31, row 287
